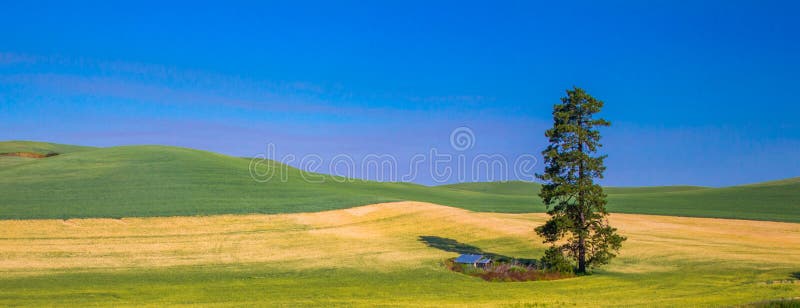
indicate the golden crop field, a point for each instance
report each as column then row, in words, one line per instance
column 386, row 238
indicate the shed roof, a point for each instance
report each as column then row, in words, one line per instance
column 469, row 258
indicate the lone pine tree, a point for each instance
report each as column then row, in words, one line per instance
column 578, row 226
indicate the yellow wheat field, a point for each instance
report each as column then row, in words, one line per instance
column 383, row 236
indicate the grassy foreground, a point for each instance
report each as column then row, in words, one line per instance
column 375, row 256
column 144, row 181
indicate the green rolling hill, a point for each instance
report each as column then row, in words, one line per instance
column 170, row 181
column 39, row 147
column 525, row 188
column 775, row 200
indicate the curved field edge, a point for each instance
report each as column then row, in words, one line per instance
column 147, row 181
column 373, row 256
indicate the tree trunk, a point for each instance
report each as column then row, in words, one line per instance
column 582, row 208
column 582, row 239
column 582, row 254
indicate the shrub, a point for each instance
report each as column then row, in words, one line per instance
column 506, row 272
column 555, row 261
column 517, row 269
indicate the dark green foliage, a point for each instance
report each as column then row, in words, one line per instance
column 577, row 206
column 555, row 261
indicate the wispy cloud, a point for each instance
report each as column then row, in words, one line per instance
column 155, row 83
column 100, row 86
column 468, row 99
column 7, row 58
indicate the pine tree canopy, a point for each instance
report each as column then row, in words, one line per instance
column 578, row 224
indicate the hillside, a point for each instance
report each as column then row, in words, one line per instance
column 526, row 188
column 39, row 147
column 170, row 181
column 774, row 200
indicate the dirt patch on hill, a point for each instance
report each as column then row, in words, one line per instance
column 29, row 154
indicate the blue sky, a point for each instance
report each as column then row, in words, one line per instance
column 698, row 93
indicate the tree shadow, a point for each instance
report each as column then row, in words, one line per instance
column 451, row 245
column 796, row 275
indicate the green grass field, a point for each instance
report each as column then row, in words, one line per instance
column 777, row 200
column 259, row 285
column 169, row 181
